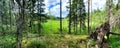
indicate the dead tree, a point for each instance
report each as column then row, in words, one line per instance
column 100, row 32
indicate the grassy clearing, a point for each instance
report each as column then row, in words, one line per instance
column 53, row 26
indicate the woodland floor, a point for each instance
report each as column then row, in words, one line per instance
column 54, row 41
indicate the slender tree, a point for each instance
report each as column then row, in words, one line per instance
column 10, row 15
column 2, row 16
column 69, row 17
column 81, row 14
column 39, row 19
column 76, row 17
column 61, row 16
column 88, row 16
column 41, row 16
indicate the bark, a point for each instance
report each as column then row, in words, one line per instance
column 20, row 24
column 70, row 18
column 61, row 16
column 88, row 16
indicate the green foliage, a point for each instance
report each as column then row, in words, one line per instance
column 52, row 17
column 77, row 15
column 114, row 42
column 36, row 44
column 7, row 42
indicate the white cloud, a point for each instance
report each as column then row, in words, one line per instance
column 96, row 4
column 56, row 9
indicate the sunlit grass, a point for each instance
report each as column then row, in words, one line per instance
column 53, row 26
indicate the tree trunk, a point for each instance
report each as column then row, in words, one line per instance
column 20, row 24
column 60, row 16
column 88, row 16
column 69, row 18
column 10, row 16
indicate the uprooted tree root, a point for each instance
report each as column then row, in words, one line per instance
column 100, row 36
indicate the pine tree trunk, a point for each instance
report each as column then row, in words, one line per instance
column 76, row 18
column 60, row 16
column 88, row 16
column 10, row 16
column 3, row 18
column 69, row 18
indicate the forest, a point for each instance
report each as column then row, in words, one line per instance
column 27, row 24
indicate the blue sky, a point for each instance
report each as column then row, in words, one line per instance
column 53, row 6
